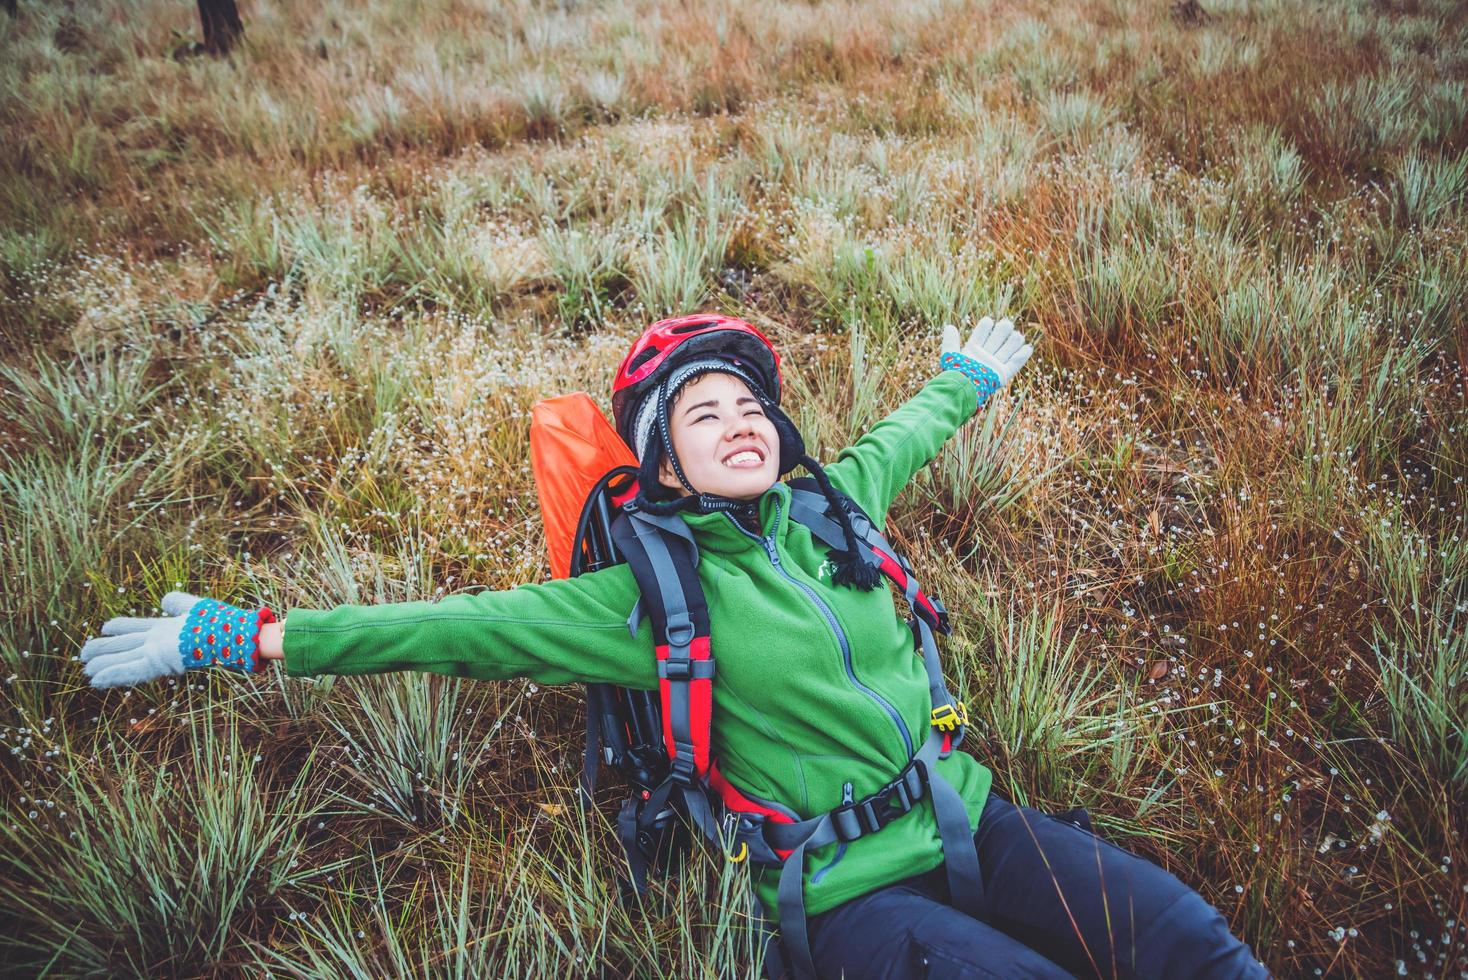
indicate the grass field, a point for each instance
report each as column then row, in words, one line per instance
column 272, row 325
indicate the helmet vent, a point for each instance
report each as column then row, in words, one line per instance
column 643, row 356
column 690, row 327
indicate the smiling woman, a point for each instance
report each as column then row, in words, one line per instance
column 876, row 844
column 722, row 440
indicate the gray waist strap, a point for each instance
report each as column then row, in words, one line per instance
column 960, row 858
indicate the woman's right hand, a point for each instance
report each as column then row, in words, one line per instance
column 990, row 358
column 194, row 632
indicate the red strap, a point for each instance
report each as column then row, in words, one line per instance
column 700, row 707
column 893, row 571
column 739, row 803
column 619, row 499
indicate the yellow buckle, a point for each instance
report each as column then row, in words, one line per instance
column 743, row 853
column 949, row 717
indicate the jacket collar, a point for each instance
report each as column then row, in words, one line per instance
column 718, row 531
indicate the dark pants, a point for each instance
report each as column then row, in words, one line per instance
column 1057, row 901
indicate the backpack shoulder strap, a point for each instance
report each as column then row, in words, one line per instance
column 664, row 558
column 808, row 506
column 664, row 562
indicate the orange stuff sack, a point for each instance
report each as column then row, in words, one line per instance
column 572, row 446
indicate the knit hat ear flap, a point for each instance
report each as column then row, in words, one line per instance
column 649, row 469
column 792, row 445
column 851, row 568
column 654, row 446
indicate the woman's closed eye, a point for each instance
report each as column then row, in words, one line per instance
column 755, row 410
column 711, row 415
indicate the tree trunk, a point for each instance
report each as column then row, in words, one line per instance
column 222, row 27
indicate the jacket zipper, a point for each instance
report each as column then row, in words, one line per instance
column 846, row 798
column 769, row 543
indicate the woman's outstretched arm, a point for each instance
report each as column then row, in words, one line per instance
column 563, row 631
column 569, row 630
column 874, row 469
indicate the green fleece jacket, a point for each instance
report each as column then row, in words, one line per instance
column 818, row 685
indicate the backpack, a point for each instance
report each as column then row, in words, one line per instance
column 660, row 742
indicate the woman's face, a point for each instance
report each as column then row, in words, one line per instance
column 725, row 443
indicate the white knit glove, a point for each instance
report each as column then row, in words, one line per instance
column 990, row 358
column 195, row 633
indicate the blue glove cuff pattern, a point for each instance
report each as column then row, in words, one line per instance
column 220, row 635
column 984, row 378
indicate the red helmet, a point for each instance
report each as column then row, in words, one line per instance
column 668, row 343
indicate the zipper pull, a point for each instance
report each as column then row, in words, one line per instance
column 846, row 797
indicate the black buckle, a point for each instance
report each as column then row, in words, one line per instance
column 683, row 769
column 945, row 625
column 855, row 820
column 870, row 814
column 942, row 626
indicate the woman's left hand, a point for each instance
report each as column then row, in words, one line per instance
column 990, row 358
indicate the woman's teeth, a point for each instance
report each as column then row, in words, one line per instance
column 744, row 460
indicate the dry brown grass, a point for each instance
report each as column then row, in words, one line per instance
column 273, row 325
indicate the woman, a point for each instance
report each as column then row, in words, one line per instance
column 818, row 698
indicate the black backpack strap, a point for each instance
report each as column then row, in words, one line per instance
column 638, row 849
column 663, row 558
column 664, row 565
